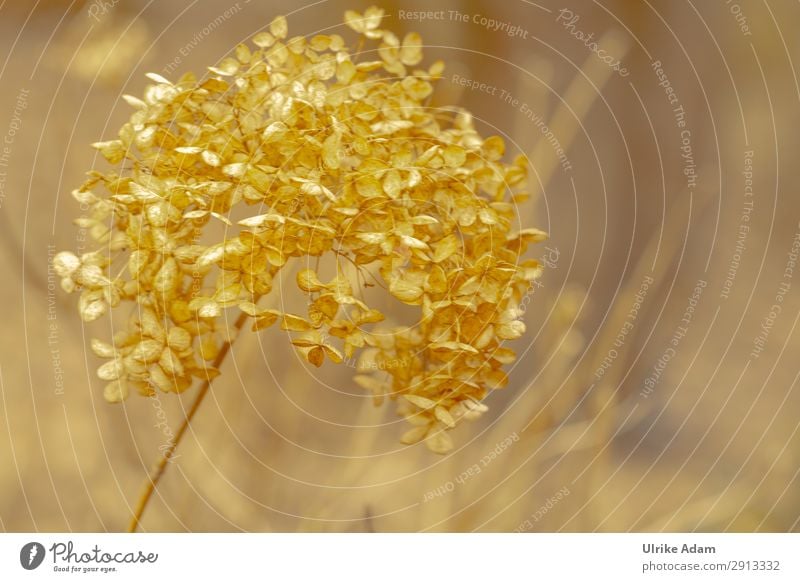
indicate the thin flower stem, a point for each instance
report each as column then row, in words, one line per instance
column 160, row 468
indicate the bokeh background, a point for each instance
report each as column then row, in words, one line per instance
column 679, row 415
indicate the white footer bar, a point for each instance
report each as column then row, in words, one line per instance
column 401, row 557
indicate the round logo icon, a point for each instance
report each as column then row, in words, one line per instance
column 31, row 555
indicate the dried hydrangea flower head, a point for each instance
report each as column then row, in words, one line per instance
column 335, row 156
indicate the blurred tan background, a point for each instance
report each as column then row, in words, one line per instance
column 690, row 424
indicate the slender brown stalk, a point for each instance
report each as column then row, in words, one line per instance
column 160, row 468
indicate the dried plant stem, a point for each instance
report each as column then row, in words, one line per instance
column 160, row 468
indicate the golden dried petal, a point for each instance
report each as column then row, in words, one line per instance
column 496, row 379
column 206, row 372
column 179, row 339
column 134, row 102
column 308, row 281
column 146, row 351
column 296, row 44
column 157, row 78
column 275, row 256
column 467, row 216
column 365, row 24
column 437, row 280
column 405, row 291
column 332, row 152
column 444, row 248
column 279, row 27
column 420, row 401
column 454, row 156
column 84, row 196
column 227, row 67
column 469, row 409
column 372, row 17
column 150, row 324
column 372, row 238
column 411, row 51
column 211, row 256
column 511, row 330
column 439, row 442
column 315, row 356
column 166, row 279
column 91, row 276
column 211, row 158
column 113, row 151
column 243, row 53
column 263, row 40
column 370, row 316
column 414, row 435
column 229, row 295
column 392, row 184
column 236, row 170
column 334, row 354
column 205, row 307
column 452, row 347
column 368, row 186
column 314, row 189
column 529, row 235
column 208, row 348
column 325, row 69
column 143, row 194
column 417, row 88
column 265, row 319
column 444, row 416
column 180, row 312
column 413, row 243
column 111, row 370
column 171, row 363
column 92, row 310
column 274, row 131
column 488, row 216
column 102, row 349
column 295, row 323
column 116, row 391
column 423, row 220
column 494, row 148
column 162, row 380
column 436, row 69
column 66, row 263
column 345, row 71
column 262, row 219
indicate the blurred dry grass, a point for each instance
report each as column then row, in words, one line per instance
column 278, row 446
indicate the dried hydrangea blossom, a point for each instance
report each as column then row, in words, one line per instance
column 336, row 156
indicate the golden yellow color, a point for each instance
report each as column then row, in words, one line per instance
column 336, row 156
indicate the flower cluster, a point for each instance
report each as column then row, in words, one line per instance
column 338, row 156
